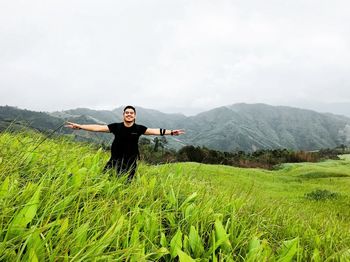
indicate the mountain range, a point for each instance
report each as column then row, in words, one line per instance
column 247, row 127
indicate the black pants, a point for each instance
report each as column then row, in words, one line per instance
column 122, row 166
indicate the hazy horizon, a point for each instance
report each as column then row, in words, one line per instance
column 340, row 109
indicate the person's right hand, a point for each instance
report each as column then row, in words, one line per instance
column 73, row 125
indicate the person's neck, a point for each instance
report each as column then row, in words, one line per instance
column 128, row 124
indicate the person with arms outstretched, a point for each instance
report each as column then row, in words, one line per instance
column 125, row 150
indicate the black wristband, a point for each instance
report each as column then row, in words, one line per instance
column 172, row 132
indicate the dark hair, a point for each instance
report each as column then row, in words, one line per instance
column 131, row 107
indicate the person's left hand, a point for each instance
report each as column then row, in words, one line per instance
column 178, row 132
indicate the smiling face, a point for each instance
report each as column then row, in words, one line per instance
column 129, row 115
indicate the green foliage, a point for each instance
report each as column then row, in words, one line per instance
column 195, row 241
column 56, row 204
column 25, row 215
column 261, row 158
column 320, row 194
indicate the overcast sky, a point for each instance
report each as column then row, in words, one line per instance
column 174, row 56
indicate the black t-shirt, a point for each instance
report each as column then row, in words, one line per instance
column 125, row 144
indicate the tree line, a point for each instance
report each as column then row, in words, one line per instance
column 156, row 152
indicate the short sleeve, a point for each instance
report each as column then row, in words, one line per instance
column 141, row 129
column 113, row 128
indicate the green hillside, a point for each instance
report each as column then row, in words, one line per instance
column 56, row 205
column 260, row 126
column 247, row 127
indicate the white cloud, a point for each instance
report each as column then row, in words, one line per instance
column 172, row 55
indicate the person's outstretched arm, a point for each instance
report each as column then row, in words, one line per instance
column 94, row 128
column 160, row 131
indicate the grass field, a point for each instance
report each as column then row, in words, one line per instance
column 57, row 205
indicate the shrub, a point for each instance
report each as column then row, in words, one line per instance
column 320, row 195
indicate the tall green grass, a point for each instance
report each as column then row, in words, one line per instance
column 57, row 205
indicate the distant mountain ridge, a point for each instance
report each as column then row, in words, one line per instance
column 262, row 126
column 247, row 127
